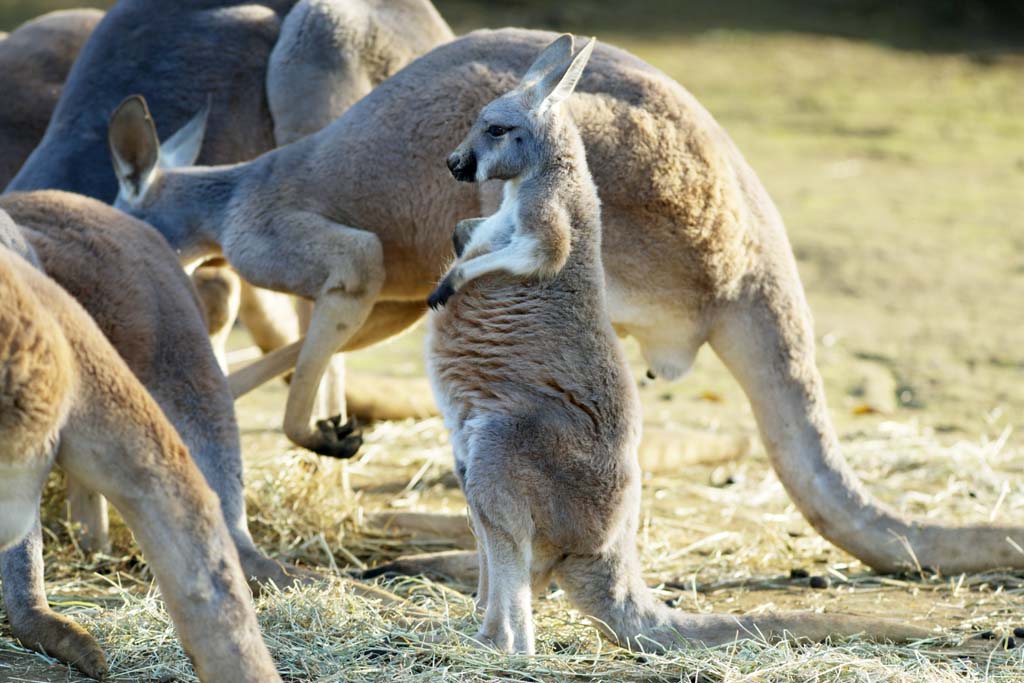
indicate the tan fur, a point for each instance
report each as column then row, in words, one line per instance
column 34, row 61
column 694, row 252
column 545, row 418
column 331, row 53
column 122, row 272
column 219, row 290
column 63, row 378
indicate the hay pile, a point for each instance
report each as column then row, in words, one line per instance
column 716, row 537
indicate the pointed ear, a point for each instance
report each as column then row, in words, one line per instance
column 559, row 84
column 182, row 148
column 557, row 54
column 134, row 147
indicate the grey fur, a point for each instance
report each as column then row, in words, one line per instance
column 694, row 252
column 543, row 412
column 35, row 60
column 275, row 70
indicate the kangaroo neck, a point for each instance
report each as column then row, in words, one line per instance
column 197, row 205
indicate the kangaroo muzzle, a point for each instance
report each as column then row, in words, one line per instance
column 463, row 166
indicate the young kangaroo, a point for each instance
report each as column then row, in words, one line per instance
column 129, row 281
column 67, row 398
column 533, row 384
column 359, row 216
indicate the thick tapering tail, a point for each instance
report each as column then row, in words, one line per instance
column 767, row 341
column 610, row 589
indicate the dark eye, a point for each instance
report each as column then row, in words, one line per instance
column 497, row 131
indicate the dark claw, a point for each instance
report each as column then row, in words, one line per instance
column 339, row 440
column 651, row 375
column 439, row 297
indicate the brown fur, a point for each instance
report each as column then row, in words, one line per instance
column 34, row 61
column 694, row 252
column 129, row 281
column 63, row 378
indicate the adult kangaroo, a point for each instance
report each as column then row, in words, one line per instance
column 126, row 277
column 271, row 72
column 358, row 217
column 69, row 399
column 34, row 61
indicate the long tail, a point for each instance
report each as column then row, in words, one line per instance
column 610, row 589
column 766, row 340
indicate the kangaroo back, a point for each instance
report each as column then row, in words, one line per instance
column 36, row 372
column 174, row 54
column 34, row 62
column 36, row 381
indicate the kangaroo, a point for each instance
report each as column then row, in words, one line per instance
column 69, row 399
column 358, row 217
column 269, row 71
column 124, row 274
column 534, row 387
column 34, row 61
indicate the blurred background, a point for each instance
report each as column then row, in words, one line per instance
column 891, row 135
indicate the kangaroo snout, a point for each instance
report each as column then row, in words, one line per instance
column 462, row 166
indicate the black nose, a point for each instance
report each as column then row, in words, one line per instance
column 463, row 168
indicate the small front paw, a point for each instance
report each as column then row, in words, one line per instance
column 439, row 297
column 463, row 232
column 337, row 439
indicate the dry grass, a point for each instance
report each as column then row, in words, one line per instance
column 717, row 537
column 899, row 174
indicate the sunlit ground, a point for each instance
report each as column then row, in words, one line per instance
column 900, row 175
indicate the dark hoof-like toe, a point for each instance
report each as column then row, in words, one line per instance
column 338, row 440
column 439, row 297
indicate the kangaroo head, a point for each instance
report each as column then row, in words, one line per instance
column 150, row 175
column 510, row 134
column 139, row 157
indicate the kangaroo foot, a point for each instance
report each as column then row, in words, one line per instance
column 502, row 640
column 46, row 631
column 261, row 571
column 338, row 440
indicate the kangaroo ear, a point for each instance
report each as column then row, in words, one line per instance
column 559, row 83
column 134, row 147
column 558, row 53
column 182, row 148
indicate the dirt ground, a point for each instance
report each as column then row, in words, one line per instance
column 900, row 173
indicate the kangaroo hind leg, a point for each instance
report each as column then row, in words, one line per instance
column 342, row 270
column 504, row 528
column 88, row 511
column 33, row 623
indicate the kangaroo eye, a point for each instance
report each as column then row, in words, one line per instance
column 497, row 131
